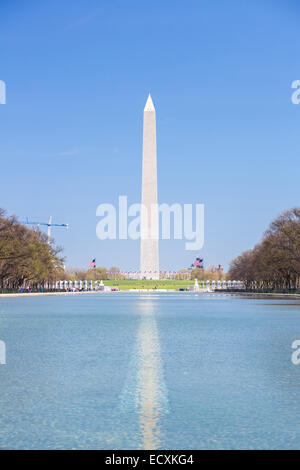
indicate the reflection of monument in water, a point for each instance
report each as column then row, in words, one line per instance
column 149, row 264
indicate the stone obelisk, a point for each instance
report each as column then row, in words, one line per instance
column 149, row 264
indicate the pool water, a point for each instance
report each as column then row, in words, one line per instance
column 149, row 371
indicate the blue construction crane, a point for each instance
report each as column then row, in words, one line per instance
column 49, row 225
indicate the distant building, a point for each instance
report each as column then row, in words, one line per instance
column 213, row 268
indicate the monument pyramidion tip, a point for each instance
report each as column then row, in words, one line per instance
column 149, row 104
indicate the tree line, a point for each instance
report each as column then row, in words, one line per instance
column 274, row 263
column 26, row 259
column 100, row 273
column 208, row 275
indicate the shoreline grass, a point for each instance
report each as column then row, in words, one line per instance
column 125, row 284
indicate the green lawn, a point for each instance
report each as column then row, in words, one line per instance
column 126, row 284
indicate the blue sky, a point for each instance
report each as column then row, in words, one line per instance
column 78, row 74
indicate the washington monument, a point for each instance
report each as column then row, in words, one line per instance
column 149, row 264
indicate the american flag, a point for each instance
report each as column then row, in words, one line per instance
column 92, row 264
column 198, row 263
